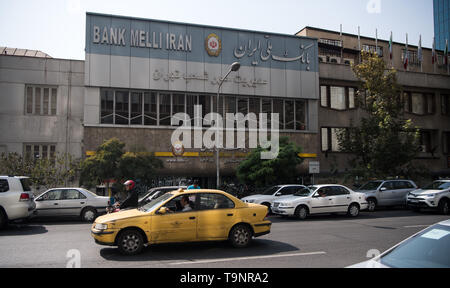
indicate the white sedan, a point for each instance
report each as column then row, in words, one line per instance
column 272, row 194
column 70, row 202
column 320, row 199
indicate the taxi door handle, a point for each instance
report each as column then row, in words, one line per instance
column 192, row 218
column 229, row 215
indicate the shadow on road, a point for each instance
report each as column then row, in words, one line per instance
column 200, row 251
column 364, row 215
column 23, row 230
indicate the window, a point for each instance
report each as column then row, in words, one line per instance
column 121, row 108
column 330, row 141
column 215, row 201
column 136, row 108
column 337, row 97
column 373, row 49
column 40, row 100
column 4, row 186
column 107, row 107
column 445, row 104
column 52, row 195
column 153, row 108
column 288, row 190
column 40, row 151
column 150, row 109
column 446, row 143
column 300, row 115
column 340, row 191
column 419, row 103
column 72, row 195
column 164, row 109
column 289, row 115
column 425, row 141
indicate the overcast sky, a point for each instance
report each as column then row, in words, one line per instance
column 57, row 27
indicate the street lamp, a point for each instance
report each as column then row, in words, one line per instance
column 233, row 68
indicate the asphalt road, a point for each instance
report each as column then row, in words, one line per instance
column 320, row 241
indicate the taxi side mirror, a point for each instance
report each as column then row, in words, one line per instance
column 162, row 210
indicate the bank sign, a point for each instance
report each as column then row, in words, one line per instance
column 133, row 53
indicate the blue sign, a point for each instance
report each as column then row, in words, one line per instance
column 134, row 37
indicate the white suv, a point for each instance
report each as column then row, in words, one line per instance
column 435, row 196
column 16, row 199
column 320, row 199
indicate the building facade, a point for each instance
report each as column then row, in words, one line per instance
column 441, row 14
column 42, row 104
column 138, row 73
column 425, row 97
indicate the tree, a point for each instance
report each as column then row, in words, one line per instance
column 47, row 173
column 384, row 143
column 111, row 162
column 260, row 173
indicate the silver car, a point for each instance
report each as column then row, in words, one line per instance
column 387, row 192
column 429, row 248
column 70, row 202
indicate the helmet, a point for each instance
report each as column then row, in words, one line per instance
column 130, row 183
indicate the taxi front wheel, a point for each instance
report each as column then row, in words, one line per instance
column 130, row 242
column 240, row 236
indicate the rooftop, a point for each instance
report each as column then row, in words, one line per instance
column 23, row 52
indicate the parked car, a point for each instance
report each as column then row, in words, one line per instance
column 213, row 215
column 16, row 199
column 434, row 196
column 320, row 199
column 71, row 202
column 429, row 248
column 271, row 194
column 154, row 193
column 387, row 192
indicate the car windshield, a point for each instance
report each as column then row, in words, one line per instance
column 372, row 185
column 429, row 249
column 438, row 185
column 313, row 188
column 304, row 192
column 152, row 205
column 271, row 190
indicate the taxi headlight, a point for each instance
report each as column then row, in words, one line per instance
column 101, row 226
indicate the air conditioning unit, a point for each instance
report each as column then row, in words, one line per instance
column 348, row 61
column 335, row 60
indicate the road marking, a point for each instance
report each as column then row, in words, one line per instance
column 249, row 258
column 416, row 226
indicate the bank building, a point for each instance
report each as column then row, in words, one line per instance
column 138, row 73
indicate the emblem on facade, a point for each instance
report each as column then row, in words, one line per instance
column 177, row 149
column 213, row 45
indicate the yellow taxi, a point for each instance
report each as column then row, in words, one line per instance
column 183, row 216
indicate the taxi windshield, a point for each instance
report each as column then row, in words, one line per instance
column 155, row 203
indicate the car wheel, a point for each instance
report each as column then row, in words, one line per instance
column 443, row 206
column 130, row 242
column 89, row 215
column 240, row 236
column 353, row 210
column 301, row 212
column 372, row 204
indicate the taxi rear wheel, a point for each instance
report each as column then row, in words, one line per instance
column 130, row 242
column 240, row 236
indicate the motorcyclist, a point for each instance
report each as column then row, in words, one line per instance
column 132, row 199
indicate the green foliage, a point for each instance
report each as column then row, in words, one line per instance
column 281, row 170
column 45, row 173
column 110, row 162
column 384, row 143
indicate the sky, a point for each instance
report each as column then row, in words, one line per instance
column 57, row 27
